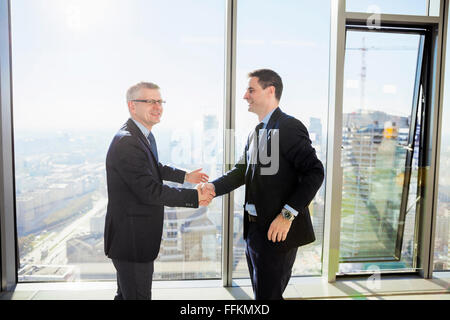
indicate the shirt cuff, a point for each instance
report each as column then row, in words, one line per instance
column 292, row 210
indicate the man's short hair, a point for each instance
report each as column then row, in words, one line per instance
column 133, row 92
column 267, row 77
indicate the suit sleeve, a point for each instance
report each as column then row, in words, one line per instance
column 296, row 146
column 169, row 173
column 233, row 179
column 133, row 167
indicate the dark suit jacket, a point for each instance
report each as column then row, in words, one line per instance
column 137, row 196
column 297, row 180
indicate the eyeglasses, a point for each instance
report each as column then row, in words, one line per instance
column 151, row 101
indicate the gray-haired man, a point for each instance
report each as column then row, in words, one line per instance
column 137, row 195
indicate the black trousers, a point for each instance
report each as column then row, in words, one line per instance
column 134, row 280
column 270, row 269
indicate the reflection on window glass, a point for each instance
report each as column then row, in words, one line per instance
column 411, row 7
column 73, row 61
column 379, row 78
column 300, row 55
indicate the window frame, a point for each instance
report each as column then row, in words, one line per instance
column 8, row 234
column 427, row 211
column 420, row 82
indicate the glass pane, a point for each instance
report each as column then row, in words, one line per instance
column 300, row 55
column 408, row 7
column 73, row 61
column 379, row 78
column 442, row 236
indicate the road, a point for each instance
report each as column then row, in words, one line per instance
column 55, row 242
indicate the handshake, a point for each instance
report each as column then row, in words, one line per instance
column 206, row 192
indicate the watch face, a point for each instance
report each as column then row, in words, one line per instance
column 287, row 214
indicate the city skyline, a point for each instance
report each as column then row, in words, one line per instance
column 46, row 187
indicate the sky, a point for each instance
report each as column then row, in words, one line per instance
column 73, row 60
column 391, row 63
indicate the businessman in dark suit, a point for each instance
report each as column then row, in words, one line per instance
column 282, row 174
column 137, row 195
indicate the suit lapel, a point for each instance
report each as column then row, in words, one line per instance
column 274, row 119
column 272, row 124
column 138, row 133
column 266, row 135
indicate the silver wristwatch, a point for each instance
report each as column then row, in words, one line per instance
column 287, row 214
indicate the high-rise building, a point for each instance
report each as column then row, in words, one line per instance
column 373, row 167
column 188, row 242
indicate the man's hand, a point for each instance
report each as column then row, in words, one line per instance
column 205, row 194
column 208, row 187
column 279, row 229
column 196, row 176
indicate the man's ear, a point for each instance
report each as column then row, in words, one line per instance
column 271, row 90
column 131, row 107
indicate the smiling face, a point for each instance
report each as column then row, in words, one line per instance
column 259, row 100
column 146, row 113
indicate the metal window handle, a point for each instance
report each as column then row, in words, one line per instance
column 406, row 146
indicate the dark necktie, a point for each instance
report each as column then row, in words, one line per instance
column 153, row 147
column 257, row 128
column 254, row 159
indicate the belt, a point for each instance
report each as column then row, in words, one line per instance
column 252, row 218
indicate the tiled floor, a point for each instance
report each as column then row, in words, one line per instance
column 387, row 288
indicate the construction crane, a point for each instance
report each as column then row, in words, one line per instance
column 364, row 49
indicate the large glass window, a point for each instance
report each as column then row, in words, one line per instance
column 380, row 158
column 73, row 61
column 292, row 38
